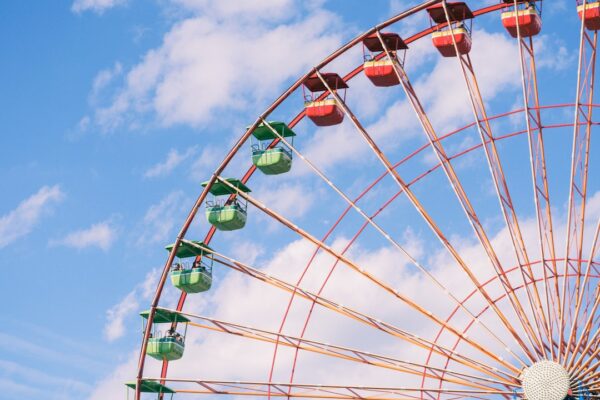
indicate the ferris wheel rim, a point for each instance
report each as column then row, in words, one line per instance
column 249, row 173
column 235, row 149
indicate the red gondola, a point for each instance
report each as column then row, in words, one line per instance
column 592, row 14
column 442, row 38
column 381, row 72
column 324, row 111
column 530, row 22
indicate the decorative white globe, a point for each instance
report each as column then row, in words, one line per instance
column 545, row 380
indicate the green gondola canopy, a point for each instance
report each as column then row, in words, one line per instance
column 164, row 316
column 220, row 189
column 263, row 132
column 187, row 249
column 150, row 387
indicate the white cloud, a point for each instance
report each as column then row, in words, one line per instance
column 20, row 221
column 289, row 199
column 247, row 252
column 101, row 235
column 444, row 91
column 205, row 163
column 117, row 315
column 206, row 65
column 174, row 159
column 553, row 53
column 103, row 79
column 160, row 218
column 97, row 6
column 115, row 327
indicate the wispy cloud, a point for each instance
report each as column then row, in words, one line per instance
column 174, row 159
column 16, row 344
column 20, row 221
column 101, row 235
column 35, row 377
column 97, row 6
column 117, row 315
column 115, row 326
column 160, row 218
column 103, row 79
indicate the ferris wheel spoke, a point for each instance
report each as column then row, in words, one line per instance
column 579, row 162
column 316, row 391
column 483, row 126
column 345, row 353
column 579, row 374
column 593, row 343
column 385, row 234
column 394, row 174
column 537, row 156
column 591, row 350
column 591, row 379
column 589, row 292
column 579, row 302
column 369, row 320
column 592, row 374
column 458, row 189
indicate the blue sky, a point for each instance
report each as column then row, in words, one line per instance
column 114, row 111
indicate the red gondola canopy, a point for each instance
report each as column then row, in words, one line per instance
column 393, row 41
column 457, row 11
column 334, row 81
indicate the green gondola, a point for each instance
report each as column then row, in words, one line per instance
column 230, row 214
column 198, row 278
column 170, row 346
column 226, row 217
column 272, row 160
column 195, row 280
column 166, row 348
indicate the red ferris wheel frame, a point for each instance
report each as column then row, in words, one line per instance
column 532, row 111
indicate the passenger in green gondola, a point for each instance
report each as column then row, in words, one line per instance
column 167, row 346
column 172, row 333
column 229, row 214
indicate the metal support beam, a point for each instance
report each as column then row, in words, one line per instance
column 508, row 211
column 582, row 132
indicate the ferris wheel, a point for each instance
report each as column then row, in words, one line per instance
column 512, row 319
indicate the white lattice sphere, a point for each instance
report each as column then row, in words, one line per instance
column 545, row 380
